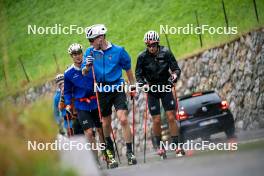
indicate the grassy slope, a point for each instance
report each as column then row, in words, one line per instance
column 17, row 126
column 127, row 22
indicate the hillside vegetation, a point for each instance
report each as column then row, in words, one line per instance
column 127, row 21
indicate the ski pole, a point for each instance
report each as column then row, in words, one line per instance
column 145, row 127
column 115, row 145
column 99, row 109
column 68, row 123
column 174, row 88
column 133, row 123
column 176, row 100
column 100, row 114
column 96, row 94
column 177, row 109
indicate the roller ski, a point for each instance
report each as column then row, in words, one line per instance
column 110, row 160
column 131, row 159
column 162, row 154
column 179, row 152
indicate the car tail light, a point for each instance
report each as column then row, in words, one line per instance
column 182, row 115
column 224, row 105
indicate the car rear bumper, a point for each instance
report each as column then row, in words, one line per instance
column 203, row 127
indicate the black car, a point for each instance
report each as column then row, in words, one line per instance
column 202, row 114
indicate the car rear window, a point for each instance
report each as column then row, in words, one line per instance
column 191, row 104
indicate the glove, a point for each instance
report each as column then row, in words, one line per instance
column 61, row 105
column 85, row 71
column 132, row 91
column 89, row 60
column 173, row 78
column 145, row 88
column 68, row 110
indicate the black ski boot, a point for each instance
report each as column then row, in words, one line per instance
column 131, row 159
column 110, row 160
column 180, row 152
column 162, row 154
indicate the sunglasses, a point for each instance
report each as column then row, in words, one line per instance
column 93, row 39
column 153, row 45
column 77, row 52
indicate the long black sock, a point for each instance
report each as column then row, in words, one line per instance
column 109, row 143
column 129, row 147
column 175, row 140
column 157, row 140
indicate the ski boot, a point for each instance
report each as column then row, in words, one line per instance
column 162, row 154
column 180, row 152
column 131, row 159
column 110, row 160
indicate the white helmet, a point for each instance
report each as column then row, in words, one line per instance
column 151, row 37
column 59, row 78
column 75, row 47
column 95, row 30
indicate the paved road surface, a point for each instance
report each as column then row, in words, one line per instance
column 248, row 163
column 244, row 162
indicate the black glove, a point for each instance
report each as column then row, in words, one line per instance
column 173, row 78
column 132, row 91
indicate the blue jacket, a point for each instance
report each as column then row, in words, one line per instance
column 58, row 115
column 108, row 64
column 78, row 86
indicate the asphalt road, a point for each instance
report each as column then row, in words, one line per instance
column 247, row 161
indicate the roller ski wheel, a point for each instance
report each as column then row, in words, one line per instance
column 180, row 152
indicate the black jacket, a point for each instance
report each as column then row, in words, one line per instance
column 155, row 69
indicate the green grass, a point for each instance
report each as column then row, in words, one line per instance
column 17, row 126
column 241, row 147
column 127, row 21
column 254, row 145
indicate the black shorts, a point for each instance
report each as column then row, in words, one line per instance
column 77, row 127
column 108, row 99
column 166, row 98
column 89, row 119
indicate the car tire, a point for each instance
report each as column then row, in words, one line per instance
column 230, row 132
